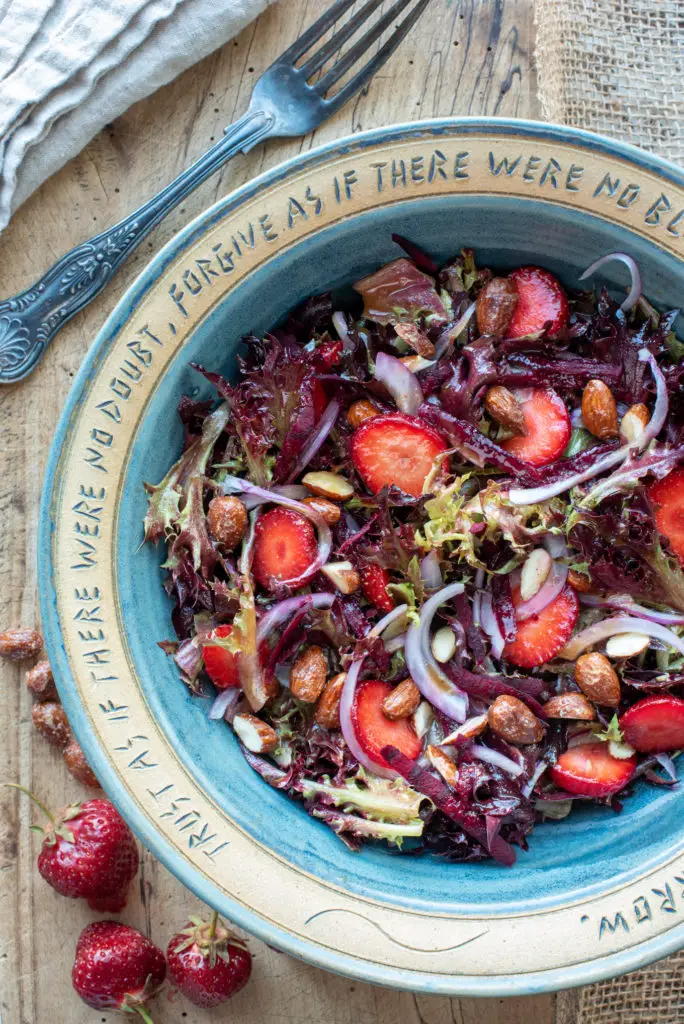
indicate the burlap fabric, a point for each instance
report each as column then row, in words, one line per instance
column 617, row 67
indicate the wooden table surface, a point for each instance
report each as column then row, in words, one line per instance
column 464, row 57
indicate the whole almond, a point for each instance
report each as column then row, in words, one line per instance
column 50, row 720
column 75, row 761
column 443, row 763
column 504, row 407
column 327, row 711
column 20, row 644
column 327, row 509
column 342, row 575
column 256, row 735
column 599, row 410
column 513, row 721
column 634, row 422
column 41, row 682
column 227, row 518
column 597, row 679
column 415, row 338
column 328, row 485
column 402, row 701
column 361, row 411
column 308, row 674
column 535, row 571
column 495, row 306
column 579, row 582
column 570, row 705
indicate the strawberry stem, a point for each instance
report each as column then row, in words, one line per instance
column 15, row 785
column 212, row 924
column 144, row 1014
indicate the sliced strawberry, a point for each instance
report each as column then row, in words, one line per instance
column 374, row 730
column 654, row 725
column 541, row 637
column 395, row 449
column 284, row 546
column 668, row 497
column 540, row 298
column 221, row 665
column 548, row 427
column 590, row 770
column 320, row 399
column 374, row 580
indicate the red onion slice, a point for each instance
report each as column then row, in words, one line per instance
column 612, row 627
column 550, row 590
column 321, row 431
column 490, row 756
column 224, row 701
column 340, row 324
column 628, row 604
column 430, row 571
column 236, row 485
column 448, row 336
column 400, row 382
column 286, row 609
column 660, row 409
column 490, row 624
column 631, row 264
column 435, row 686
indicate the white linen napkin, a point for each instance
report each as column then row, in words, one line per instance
column 69, row 67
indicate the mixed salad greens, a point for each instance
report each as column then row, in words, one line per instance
column 430, row 556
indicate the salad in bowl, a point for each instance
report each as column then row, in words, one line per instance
column 429, row 556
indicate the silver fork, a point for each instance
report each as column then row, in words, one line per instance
column 285, row 102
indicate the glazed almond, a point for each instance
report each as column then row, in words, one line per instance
column 402, row 701
column 495, row 306
column 361, row 411
column 256, row 735
column 570, row 705
column 327, row 509
column 599, row 410
column 597, row 679
column 327, row 711
column 634, row 422
column 513, row 721
column 227, row 520
column 308, row 675
column 504, row 407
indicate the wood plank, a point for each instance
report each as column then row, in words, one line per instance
column 467, row 57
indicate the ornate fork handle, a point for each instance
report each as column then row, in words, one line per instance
column 29, row 321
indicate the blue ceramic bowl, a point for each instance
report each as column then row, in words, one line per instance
column 596, row 894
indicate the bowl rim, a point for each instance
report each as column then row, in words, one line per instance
column 375, row 973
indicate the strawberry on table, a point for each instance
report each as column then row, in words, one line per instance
column 374, row 581
column 540, row 299
column 395, row 449
column 117, row 968
column 547, row 424
column 221, row 664
column 654, row 725
column 374, row 730
column 541, row 637
column 285, row 547
column 207, row 963
column 668, row 497
column 591, row 770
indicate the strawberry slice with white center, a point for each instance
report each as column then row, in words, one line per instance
column 668, row 497
column 540, row 299
column 548, row 427
column 221, row 665
column 395, row 449
column 654, row 725
column 541, row 637
column 374, row 730
column 284, row 547
column 591, row 770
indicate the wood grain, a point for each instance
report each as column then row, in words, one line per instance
column 467, row 57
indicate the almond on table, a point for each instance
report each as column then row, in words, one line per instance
column 20, row 644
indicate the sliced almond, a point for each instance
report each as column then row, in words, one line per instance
column 402, row 701
column 415, row 363
column 597, row 679
column 504, row 407
column 634, row 422
column 534, row 573
column 308, row 675
column 423, row 718
column 599, row 410
column 513, row 721
column 473, row 727
column 256, row 735
column 570, row 705
column 328, row 485
column 444, row 645
column 443, row 763
column 327, row 711
column 626, row 645
column 414, row 338
column 342, row 575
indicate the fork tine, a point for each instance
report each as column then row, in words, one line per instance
column 314, row 32
column 351, row 56
column 387, row 49
column 318, row 59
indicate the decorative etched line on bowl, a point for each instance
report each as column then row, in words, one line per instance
column 391, row 938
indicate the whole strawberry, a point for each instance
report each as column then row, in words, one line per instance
column 207, row 963
column 88, row 850
column 117, row 968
